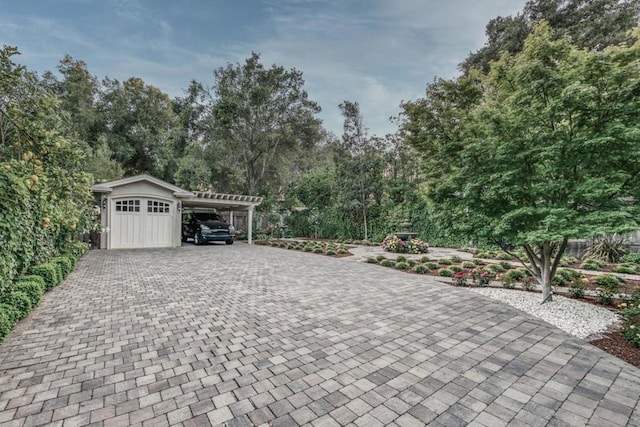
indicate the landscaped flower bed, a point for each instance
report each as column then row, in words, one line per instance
column 319, row 247
column 393, row 243
column 605, row 289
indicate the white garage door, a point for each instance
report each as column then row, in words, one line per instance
column 141, row 223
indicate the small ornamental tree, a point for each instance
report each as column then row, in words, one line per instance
column 543, row 148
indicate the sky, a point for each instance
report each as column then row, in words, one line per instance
column 378, row 53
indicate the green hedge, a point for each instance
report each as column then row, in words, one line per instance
column 33, row 289
column 19, row 300
column 32, row 278
column 9, row 315
column 77, row 249
column 49, row 272
column 66, row 264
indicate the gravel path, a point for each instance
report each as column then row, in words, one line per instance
column 578, row 318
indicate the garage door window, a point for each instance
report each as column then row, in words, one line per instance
column 157, row 207
column 128, row 206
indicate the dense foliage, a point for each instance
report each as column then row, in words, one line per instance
column 542, row 148
column 44, row 191
column 591, row 24
column 266, row 116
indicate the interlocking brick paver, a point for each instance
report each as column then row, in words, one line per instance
column 250, row 335
column 77, row 421
column 303, row 415
column 327, row 421
column 260, row 416
column 103, row 414
column 141, row 415
column 179, row 415
column 119, row 421
column 199, row 421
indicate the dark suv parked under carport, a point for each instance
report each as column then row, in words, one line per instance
column 205, row 227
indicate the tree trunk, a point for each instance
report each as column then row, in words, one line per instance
column 543, row 264
column 251, row 179
column 545, row 278
column 366, row 227
column 545, row 250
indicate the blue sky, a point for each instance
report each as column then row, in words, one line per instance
column 375, row 52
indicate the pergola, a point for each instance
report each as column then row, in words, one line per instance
column 227, row 202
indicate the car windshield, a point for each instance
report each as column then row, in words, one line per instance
column 207, row 217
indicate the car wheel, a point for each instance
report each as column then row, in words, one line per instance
column 196, row 239
column 229, row 242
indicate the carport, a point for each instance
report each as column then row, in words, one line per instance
column 145, row 212
column 222, row 202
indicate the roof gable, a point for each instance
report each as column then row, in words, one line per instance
column 107, row 187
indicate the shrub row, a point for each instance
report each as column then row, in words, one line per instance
column 17, row 299
column 317, row 247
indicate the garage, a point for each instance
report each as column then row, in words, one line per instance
column 145, row 212
column 141, row 223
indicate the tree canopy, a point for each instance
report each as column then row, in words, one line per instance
column 44, row 190
column 543, row 148
column 591, row 24
column 264, row 114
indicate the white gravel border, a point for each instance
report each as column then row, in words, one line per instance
column 579, row 319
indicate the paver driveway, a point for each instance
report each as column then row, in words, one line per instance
column 250, row 335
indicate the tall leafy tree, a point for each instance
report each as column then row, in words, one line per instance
column 187, row 166
column 78, row 91
column 592, row 24
column 193, row 170
column 360, row 161
column 549, row 151
column 101, row 164
column 138, row 121
column 262, row 115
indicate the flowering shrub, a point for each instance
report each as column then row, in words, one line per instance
column 459, row 278
column 480, row 276
column 631, row 322
column 393, row 243
column 417, row 246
